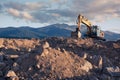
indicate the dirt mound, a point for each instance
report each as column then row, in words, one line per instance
column 53, row 64
column 59, row 58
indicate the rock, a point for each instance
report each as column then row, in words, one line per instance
column 1, row 56
column 29, row 49
column 63, row 50
column 96, row 60
column 1, row 43
column 100, row 60
column 115, row 45
column 1, row 74
column 45, row 52
column 107, row 62
column 38, row 66
column 14, row 78
column 15, row 66
column 113, row 71
column 83, row 55
column 105, row 77
column 2, row 78
column 45, row 45
column 87, row 66
column 2, row 65
column 11, row 74
column 12, row 56
column 58, row 49
column 93, row 78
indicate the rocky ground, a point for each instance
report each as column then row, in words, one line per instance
column 59, row 59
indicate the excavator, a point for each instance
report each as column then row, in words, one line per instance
column 92, row 31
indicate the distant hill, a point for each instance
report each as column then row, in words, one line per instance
column 60, row 30
column 111, row 35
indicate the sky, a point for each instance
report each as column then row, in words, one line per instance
column 39, row 13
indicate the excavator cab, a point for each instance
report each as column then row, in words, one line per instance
column 96, row 33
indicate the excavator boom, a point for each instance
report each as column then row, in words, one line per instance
column 82, row 19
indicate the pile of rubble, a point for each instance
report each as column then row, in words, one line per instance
column 59, row 58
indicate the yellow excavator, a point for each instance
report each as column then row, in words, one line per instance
column 92, row 31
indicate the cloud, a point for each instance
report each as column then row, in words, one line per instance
column 34, row 5
column 1, row 8
column 25, row 6
column 26, row 15
column 20, row 14
column 13, row 12
column 59, row 1
column 55, row 0
column 62, row 12
column 43, row 17
column 54, row 16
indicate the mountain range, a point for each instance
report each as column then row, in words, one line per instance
column 54, row 30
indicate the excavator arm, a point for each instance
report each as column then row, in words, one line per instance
column 82, row 19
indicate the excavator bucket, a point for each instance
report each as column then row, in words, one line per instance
column 76, row 34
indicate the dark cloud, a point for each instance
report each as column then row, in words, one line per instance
column 54, row 16
column 15, row 5
column 29, row 6
column 96, row 9
column 43, row 17
column 1, row 8
column 62, row 12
